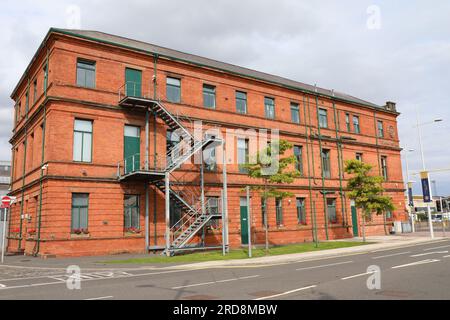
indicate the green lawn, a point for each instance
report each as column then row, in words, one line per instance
column 239, row 253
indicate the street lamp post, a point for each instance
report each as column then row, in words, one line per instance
column 430, row 223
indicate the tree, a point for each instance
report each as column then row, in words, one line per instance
column 268, row 165
column 367, row 191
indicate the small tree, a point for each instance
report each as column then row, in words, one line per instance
column 367, row 191
column 261, row 167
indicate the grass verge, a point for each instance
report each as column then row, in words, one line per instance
column 239, row 253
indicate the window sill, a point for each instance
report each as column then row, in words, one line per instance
column 79, row 236
column 132, row 234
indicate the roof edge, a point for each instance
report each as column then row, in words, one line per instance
column 76, row 35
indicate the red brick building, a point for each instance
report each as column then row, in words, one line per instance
column 96, row 115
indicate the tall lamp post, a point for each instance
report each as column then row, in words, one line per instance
column 418, row 125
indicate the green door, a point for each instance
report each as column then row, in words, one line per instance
column 354, row 219
column 133, row 82
column 131, row 149
column 244, row 220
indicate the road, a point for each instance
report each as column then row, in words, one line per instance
column 413, row 272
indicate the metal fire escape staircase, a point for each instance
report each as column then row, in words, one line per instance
column 195, row 211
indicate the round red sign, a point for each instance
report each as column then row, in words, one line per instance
column 6, row 201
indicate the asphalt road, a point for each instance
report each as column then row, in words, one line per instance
column 414, row 272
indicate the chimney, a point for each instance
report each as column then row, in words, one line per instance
column 390, row 106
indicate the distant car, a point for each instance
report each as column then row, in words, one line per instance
column 437, row 218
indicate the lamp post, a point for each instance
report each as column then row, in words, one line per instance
column 430, row 223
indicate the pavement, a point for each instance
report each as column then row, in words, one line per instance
column 409, row 267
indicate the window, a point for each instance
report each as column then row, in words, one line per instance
column 79, row 211
column 388, row 215
column 27, row 101
column 172, row 140
column 175, row 214
column 295, row 113
column 209, row 96
column 323, row 118
column 331, row 210
column 86, row 74
column 301, row 213
column 263, row 211
column 326, row 170
column 209, row 157
column 131, row 212
column 212, row 207
column 356, row 124
column 299, row 159
column 34, row 91
column 242, row 145
column 241, row 102
column 359, row 156
column 384, row 167
column 173, row 89
column 279, row 211
column 45, row 78
column 380, row 129
column 82, row 141
column 269, row 108
column 347, row 122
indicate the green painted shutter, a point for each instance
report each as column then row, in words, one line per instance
column 133, row 82
column 131, row 153
column 244, row 220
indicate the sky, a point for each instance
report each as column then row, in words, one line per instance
column 376, row 50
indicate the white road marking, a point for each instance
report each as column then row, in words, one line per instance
column 446, row 256
column 416, row 263
column 100, row 298
column 285, row 293
column 96, row 279
column 357, row 275
column 324, row 265
column 428, row 249
column 428, row 253
column 213, row 282
column 2, row 286
column 391, row 255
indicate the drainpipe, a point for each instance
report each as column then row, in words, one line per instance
column 338, row 144
column 379, row 164
column 44, row 121
column 225, row 197
column 314, row 234
column 23, row 187
column 323, row 178
column 155, row 96
column 147, row 233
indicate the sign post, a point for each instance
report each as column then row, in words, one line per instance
column 411, row 205
column 5, row 204
column 249, row 222
column 427, row 198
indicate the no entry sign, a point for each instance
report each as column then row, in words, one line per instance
column 7, row 201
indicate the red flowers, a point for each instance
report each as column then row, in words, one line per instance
column 132, row 230
column 15, row 230
column 32, row 231
column 80, row 231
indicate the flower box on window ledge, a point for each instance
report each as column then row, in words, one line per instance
column 15, row 233
column 132, row 231
column 80, row 233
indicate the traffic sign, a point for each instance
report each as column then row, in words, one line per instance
column 7, row 201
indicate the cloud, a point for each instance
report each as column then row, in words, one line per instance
column 407, row 60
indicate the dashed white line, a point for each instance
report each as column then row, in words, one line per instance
column 416, row 263
column 428, row 253
column 213, row 282
column 100, row 298
column 286, row 293
column 357, row 275
column 428, row 249
column 391, row 255
column 324, row 265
